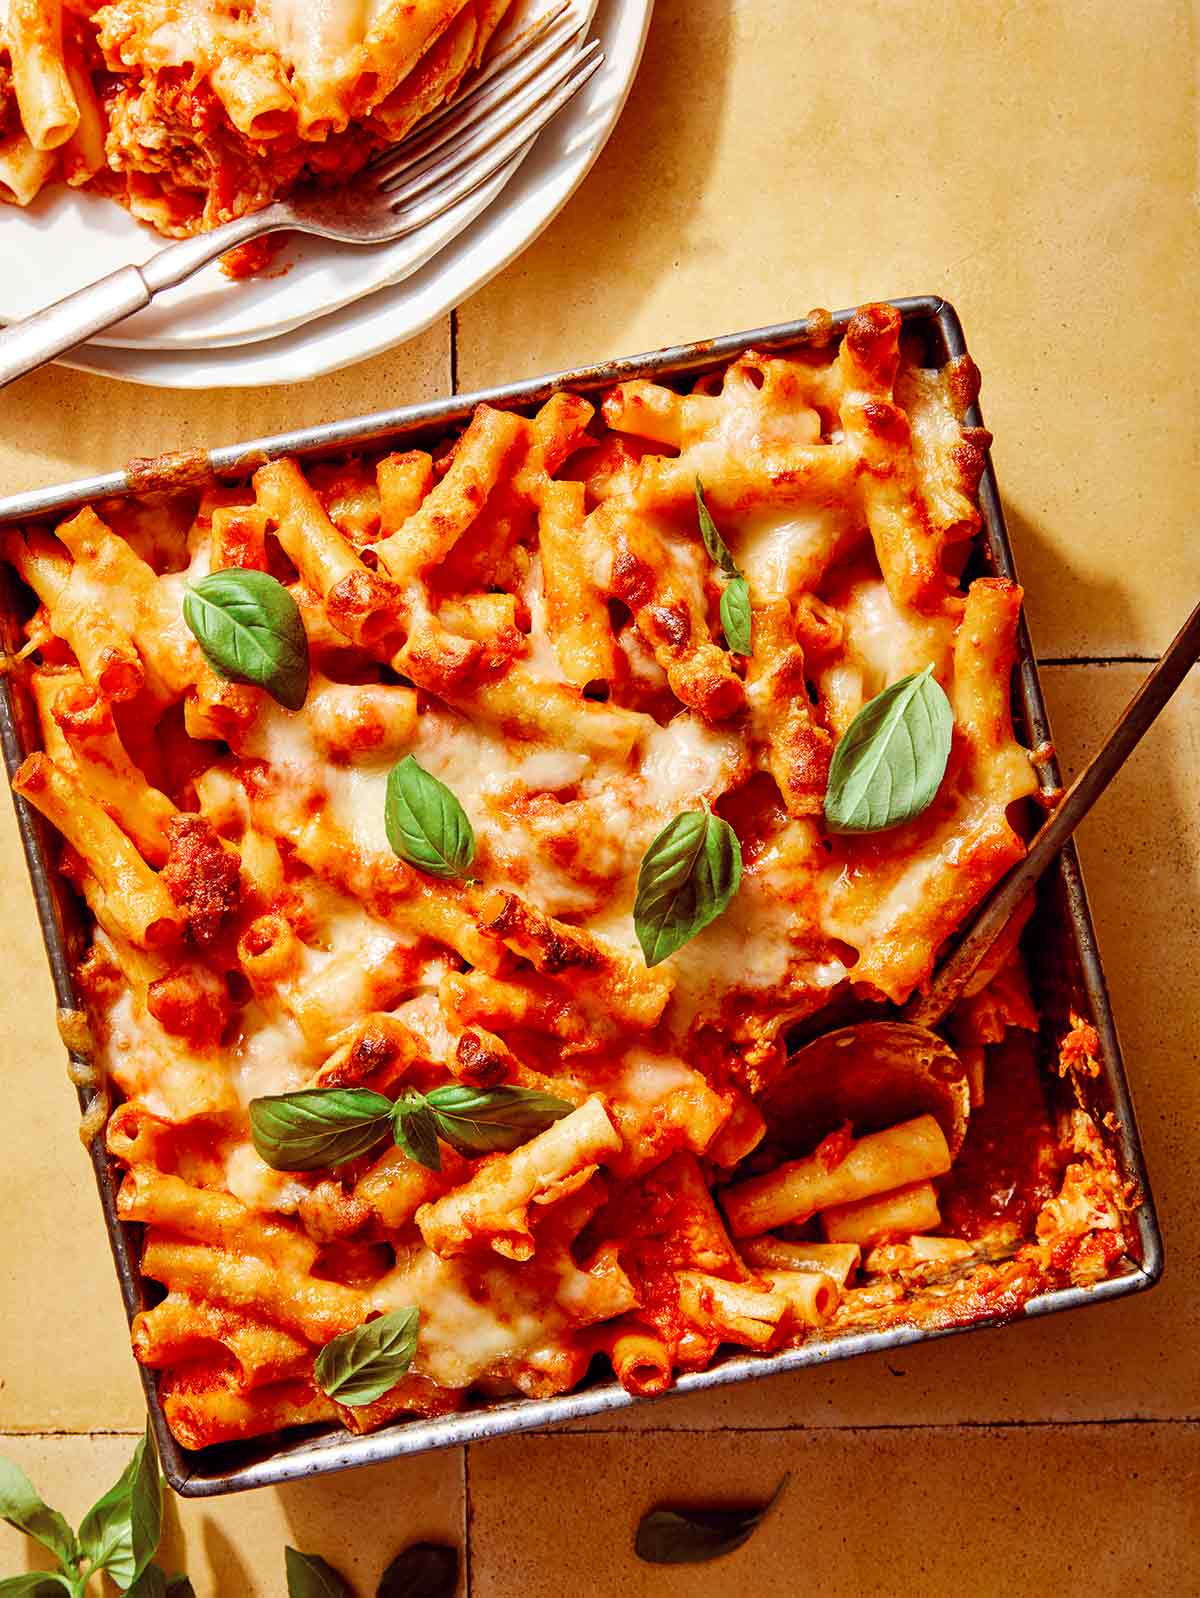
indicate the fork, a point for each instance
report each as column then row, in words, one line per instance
column 402, row 189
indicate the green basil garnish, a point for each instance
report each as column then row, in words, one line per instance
column 119, row 1534
column 310, row 1576
column 735, row 615
column 718, row 550
column 36, row 1584
column 249, row 629
column 735, row 596
column 361, row 1365
column 318, row 1127
column 492, row 1120
column 121, row 1530
column 890, row 763
column 425, row 823
column 688, row 875
column 416, row 1130
column 426, row 1570
column 21, row 1507
column 155, row 1583
column 694, row 1536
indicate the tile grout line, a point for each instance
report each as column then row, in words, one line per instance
column 880, row 1426
column 1097, row 660
column 741, row 1431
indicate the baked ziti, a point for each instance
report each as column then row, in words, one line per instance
column 191, row 112
column 465, row 830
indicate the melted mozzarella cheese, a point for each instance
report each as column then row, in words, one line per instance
column 270, row 1055
column 252, row 1180
column 311, row 32
column 472, row 1317
column 887, row 642
column 150, row 1065
column 318, row 38
column 787, row 552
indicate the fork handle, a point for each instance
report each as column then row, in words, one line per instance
column 79, row 316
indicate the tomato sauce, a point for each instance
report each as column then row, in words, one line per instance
column 1008, row 1164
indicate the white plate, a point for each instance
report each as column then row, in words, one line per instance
column 68, row 238
column 560, row 159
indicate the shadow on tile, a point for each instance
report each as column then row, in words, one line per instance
column 868, row 1514
column 359, row 1520
column 230, row 1572
column 1061, row 598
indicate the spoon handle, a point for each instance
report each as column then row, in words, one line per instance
column 927, row 1009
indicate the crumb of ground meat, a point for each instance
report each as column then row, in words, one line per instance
column 10, row 120
column 201, row 876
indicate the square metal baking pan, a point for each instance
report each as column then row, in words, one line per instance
column 1067, row 971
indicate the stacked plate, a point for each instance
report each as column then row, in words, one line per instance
column 320, row 305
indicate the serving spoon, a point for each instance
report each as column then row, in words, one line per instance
column 903, row 1067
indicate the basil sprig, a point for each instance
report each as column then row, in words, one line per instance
column 155, row 1583
column 425, row 823
column 492, row 1120
column 318, row 1127
column 310, row 1576
column 321, row 1127
column 687, row 877
column 888, row 766
column 735, row 615
column 249, row 630
column 424, row 1570
column 361, row 1365
column 121, row 1530
column 694, row 1536
column 21, row 1507
column 735, row 596
column 119, row 1534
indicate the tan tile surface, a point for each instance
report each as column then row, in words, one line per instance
column 1089, row 1511
column 1034, row 164
column 64, row 1353
column 233, row 1547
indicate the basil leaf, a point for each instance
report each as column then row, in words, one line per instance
column 426, row 1570
column 318, row 1127
column 484, row 1120
column 888, row 766
column 693, row 1536
column 417, row 1131
column 22, row 1508
column 735, row 596
column 361, row 1365
column 152, row 1583
column 155, row 1583
column 425, row 823
column 688, row 875
column 249, row 630
column 308, row 1576
column 713, row 542
column 34, row 1584
column 121, row 1530
column 735, row 615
